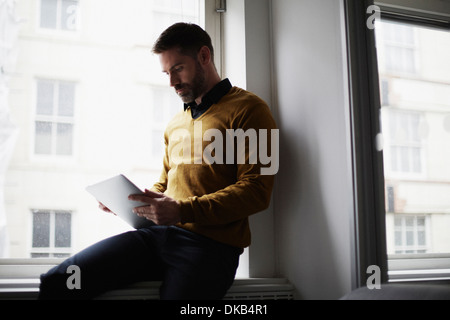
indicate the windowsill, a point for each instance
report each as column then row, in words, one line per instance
column 419, row 267
column 19, row 280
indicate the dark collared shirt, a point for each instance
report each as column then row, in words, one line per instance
column 212, row 97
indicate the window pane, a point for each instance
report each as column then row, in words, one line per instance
column 409, row 238
column 421, row 238
column 41, row 229
column 102, row 113
column 69, row 14
column 417, row 136
column 63, row 229
column 66, row 99
column 45, row 94
column 48, row 13
column 43, row 138
column 64, row 138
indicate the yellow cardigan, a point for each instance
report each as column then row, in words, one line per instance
column 203, row 167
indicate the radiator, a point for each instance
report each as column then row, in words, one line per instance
column 242, row 289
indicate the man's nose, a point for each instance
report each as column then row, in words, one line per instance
column 174, row 80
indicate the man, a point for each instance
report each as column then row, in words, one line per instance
column 200, row 205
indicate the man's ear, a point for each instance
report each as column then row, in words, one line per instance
column 204, row 55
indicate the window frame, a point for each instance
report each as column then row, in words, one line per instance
column 54, row 119
column 403, row 228
column 369, row 222
column 51, row 250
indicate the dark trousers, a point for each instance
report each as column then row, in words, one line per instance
column 190, row 266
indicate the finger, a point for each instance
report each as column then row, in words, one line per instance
column 103, row 207
column 141, row 198
column 144, row 210
column 154, row 194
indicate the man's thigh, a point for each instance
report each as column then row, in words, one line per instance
column 197, row 267
column 108, row 264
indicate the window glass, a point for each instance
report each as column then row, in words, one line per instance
column 45, row 96
column 415, row 90
column 48, row 15
column 68, row 14
column 66, row 99
column 63, row 229
column 58, row 14
column 43, row 138
column 88, row 106
column 54, row 117
column 41, row 229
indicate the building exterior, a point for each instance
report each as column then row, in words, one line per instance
column 415, row 97
column 90, row 102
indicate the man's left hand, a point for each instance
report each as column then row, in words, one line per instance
column 161, row 209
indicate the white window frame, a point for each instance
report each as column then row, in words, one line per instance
column 51, row 249
column 54, row 119
column 415, row 229
column 418, row 267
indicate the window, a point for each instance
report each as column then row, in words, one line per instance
column 54, row 118
column 165, row 104
column 100, row 100
column 399, row 107
column 404, row 147
column 410, row 234
column 59, row 14
column 415, row 106
column 52, row 234
column 400, row 48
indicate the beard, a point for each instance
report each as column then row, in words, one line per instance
column 194, row 89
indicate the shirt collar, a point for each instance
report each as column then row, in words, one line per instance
column 213, row 96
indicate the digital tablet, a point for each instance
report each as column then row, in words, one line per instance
column 113, row 193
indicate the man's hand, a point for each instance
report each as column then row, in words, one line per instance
column 104, row 208
column 161, row 209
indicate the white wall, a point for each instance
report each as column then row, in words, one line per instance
column 291, row 53
column 313, row 192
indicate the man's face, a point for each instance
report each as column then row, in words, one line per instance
column 185, row 73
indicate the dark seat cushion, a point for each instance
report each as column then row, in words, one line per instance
column 401, row 292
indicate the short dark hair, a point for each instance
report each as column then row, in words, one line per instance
column 188, row 38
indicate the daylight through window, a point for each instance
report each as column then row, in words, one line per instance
column 88, row 101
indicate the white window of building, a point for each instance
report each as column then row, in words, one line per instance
column 405, row 142
column 410, row 234
column 400, row 48
column 54, row 120
column 52, row 233
column 415, row 98
column 58, row 14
